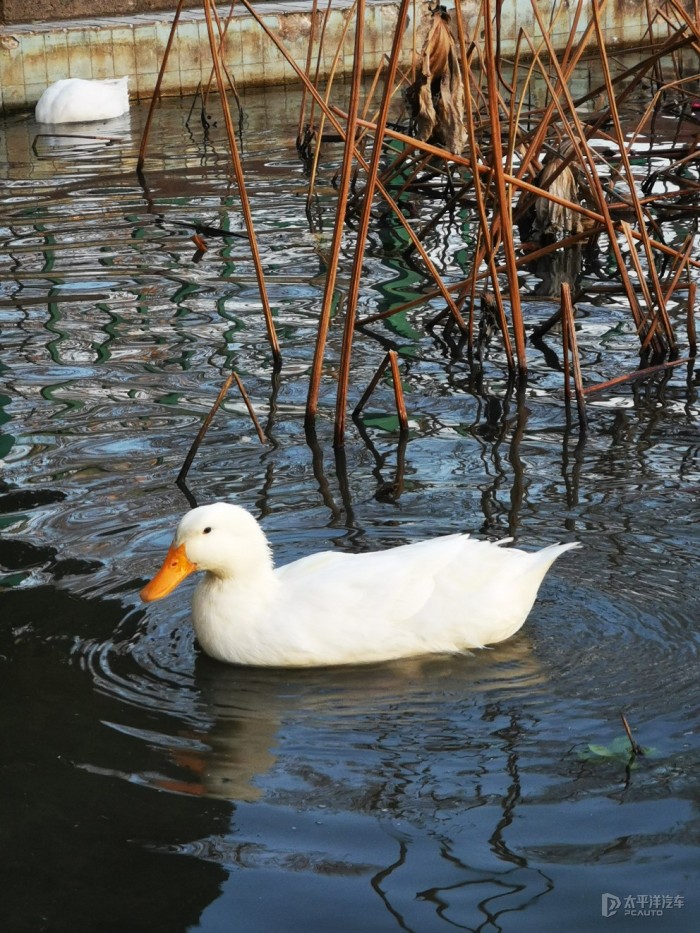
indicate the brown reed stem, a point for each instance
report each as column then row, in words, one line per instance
column 636, row 747
column 203, row 430
column 487, row 248
column 637, row 374
column 523, row 185
column 565, row 344
column 156, row 89
column 502, row 197
column 240, row 181
column 307, row 71
column 567, row 310
column 329, row 86
column 690, row 320
column 330, row 113
column 251, row 410
column 612, row 106
column 210, row 417
column 389, row 360
column 332, row 265
column 363, row 228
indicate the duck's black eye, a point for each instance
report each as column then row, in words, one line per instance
column 206, row 531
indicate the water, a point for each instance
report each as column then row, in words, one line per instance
column 147, row 787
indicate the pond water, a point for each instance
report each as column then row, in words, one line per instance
column 147, row 787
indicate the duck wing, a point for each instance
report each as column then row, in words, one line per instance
column 445, row 594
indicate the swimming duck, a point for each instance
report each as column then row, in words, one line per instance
column 76, row 100
column 446, row 594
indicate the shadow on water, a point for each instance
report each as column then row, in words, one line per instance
column 81, row 853
column 148, row 787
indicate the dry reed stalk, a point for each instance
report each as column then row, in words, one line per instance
column 240, row 181
column 646, row 324
column 336, row 242
column 156, row 89
column 222, row 57
column 565, row 71
column 307, row 71
column 692, row 22
column 181, row 476
column 614, row 113
column 679, row 267
column 636, row 374
column 690, row 319
column 593, row 175
column 331, row 115
column 567, row 311
column 329, row 86
column 249, row 406
column 635, row 746
column 321, row 40
column 565, row 344
column 363, row 228
column 487, row 246
column 390, row 360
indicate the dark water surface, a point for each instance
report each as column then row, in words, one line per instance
column 148, row 788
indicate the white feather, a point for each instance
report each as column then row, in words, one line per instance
column 75, row 100
column 448, row 594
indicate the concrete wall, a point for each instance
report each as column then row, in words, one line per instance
column 42, row 11
column 34, row 55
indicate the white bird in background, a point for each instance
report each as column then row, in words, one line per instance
column 75, row 100
column 448, row 594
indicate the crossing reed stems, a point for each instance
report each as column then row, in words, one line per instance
column 363, row 228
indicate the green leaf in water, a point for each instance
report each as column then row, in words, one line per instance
column 618, row 750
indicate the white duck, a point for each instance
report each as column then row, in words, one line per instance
column 76, row 100
column 447, row 594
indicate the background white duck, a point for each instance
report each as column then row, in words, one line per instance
column 76, row 100
column 447, row 594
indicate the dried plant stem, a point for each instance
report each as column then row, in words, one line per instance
column 361, row 237
column 637, row 374
column 210, row 417
column 307, row 71
column 322, row 122
column 612, row 105
column 522, row 184
column 636, row 747
column 502, row 196
column 240, row 181
column 391, row 360
column 331, row 115
column 690, row 320
column 332, row 266
column 251, row 410
column 156, row 89
column 567, row 311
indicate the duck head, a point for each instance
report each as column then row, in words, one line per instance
column 222, row 539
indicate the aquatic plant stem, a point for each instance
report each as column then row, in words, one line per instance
column 363, row 228
column 391, row 360
column 240, row 181
column 181, row 476
column 156, row 89
column 567, row 310
column 336, row 242
column 690, row 319
column 331, row 115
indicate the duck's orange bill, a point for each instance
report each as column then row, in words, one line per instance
column 176, row 567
